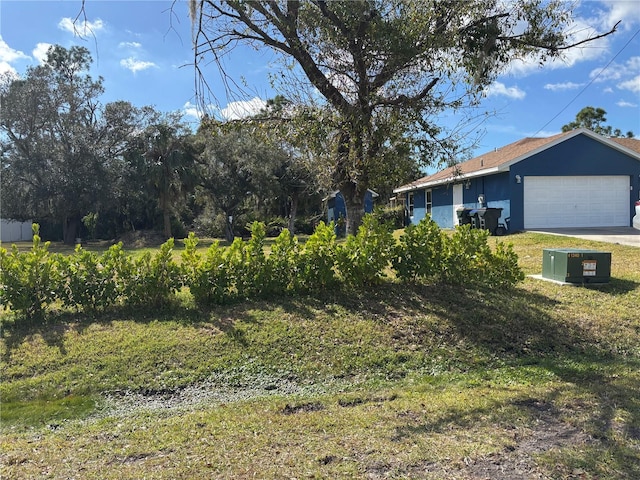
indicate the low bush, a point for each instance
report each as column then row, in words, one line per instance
column 418, row 254
column 317, row 260
column 206, row 275
column 284, row 261
column 468, row 259
column 394, row 217
column 91, row 281
column 29, row 281
column 363, row 258
column 32, row 281
column 150, row 280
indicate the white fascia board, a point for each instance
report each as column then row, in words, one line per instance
column 445, row 181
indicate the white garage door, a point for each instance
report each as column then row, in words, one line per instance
column 589, row 201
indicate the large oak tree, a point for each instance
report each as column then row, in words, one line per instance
column 384, row 69
column 53, row 140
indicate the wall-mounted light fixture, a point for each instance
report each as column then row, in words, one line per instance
column 518, row 179
column 467, row 184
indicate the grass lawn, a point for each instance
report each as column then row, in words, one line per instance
column 396, row 382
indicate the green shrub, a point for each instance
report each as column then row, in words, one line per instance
column 317, row 260
column 504, row 270
column 468, row 259
column 151, row 280
column 363, row 258
column 394, row 217
column 283, row 263
column 425, row 253
column 92, row 281
column 465, row 255
column 418, row 254
column 247, row 266
column 208, row 276
column 29, row 281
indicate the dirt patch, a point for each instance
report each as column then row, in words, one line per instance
column 517, row 460
column 216, row 390
column 305, row 407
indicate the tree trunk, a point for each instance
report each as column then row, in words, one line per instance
column 353, row 196
column 294, row 211
column 166, row 216
column 70, row 229
column 228, row 231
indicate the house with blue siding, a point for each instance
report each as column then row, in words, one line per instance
column 573, row 179
column 336, row 207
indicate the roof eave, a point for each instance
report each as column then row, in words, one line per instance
column 448, row 180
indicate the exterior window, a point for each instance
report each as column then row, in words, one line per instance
column 427, row 201
column 410, row 204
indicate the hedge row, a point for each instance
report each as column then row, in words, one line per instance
column 31, row 282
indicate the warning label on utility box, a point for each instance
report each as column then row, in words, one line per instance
column 589, row 268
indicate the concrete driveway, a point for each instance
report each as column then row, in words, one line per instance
column 621, row 235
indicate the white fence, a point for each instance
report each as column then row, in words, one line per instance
column 14, row 231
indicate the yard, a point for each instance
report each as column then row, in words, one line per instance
column 395, row 382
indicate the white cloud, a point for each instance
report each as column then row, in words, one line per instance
column 8, row 54
column 40, row 52
column 136, row 65
column 129, row 45
column 541, row 134
column 626, row 76
column 499, row 89
column 561, row 87
column 243, row 109
column 632, row 84
column 191, row 110
column 624, row 103
column 80, row 27
column 626, row 11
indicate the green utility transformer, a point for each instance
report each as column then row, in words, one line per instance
column 576, row 266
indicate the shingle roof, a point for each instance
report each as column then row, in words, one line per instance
column 630, row 143
column 501, row 158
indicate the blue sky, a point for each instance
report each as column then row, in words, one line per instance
column 143, row 51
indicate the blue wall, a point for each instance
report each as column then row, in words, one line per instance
column 336, row 206
column 419, row 208
column 442, row 210
column 580, row 155
column 495, row 189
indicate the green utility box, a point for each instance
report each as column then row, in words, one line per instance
column 576, row 266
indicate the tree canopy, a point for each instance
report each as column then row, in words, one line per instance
column 66, row 157
column 384, row 69
column 53, row 134
column 594, row 119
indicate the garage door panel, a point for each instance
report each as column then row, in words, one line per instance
column 577, row 201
